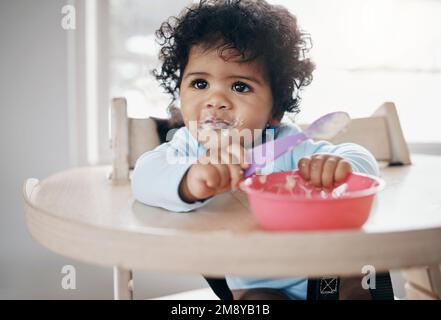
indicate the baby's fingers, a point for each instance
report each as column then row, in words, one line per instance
column 304, row 169
column 239, row 155
column 316, row 170
column 201, row 180
column 324, row 171
column 328, row 173
column 236, row 174
column 207, row 175
column 224, row 174
column 342, row 171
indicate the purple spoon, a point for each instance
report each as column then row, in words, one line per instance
column 324, row 128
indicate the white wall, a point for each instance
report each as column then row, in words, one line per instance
column 34, row 143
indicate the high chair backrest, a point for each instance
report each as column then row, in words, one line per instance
column 130, row 138
column 381, row 134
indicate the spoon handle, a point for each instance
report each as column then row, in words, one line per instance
column 265, row 153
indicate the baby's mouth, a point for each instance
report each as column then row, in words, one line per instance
column 215, row 124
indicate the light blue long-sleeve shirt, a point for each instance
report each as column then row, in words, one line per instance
column 158, row 173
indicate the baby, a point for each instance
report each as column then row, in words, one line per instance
column 236, row 65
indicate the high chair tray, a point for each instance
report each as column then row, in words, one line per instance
column 79, row 213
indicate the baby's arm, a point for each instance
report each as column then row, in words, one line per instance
column 158, row 174
column 160, row 180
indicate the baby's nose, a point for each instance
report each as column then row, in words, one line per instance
column 219, row 101
column 218, row 105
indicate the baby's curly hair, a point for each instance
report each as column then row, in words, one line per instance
column 255, row 29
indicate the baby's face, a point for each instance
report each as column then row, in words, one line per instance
column 220, row 94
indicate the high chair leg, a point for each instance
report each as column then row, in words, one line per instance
column 435, row 279
column 423, row 282
column 122, row 284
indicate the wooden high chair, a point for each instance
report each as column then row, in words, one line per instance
column 81, row 214
column 381, row 134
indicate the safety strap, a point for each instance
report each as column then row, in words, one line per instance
column 220, row 288
column 383, row 287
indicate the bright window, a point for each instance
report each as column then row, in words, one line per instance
column 133, row 53
column 366, row 52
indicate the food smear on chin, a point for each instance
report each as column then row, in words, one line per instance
column 220, row 124
column 215, row 125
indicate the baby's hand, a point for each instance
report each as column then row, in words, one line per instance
column 215, row 173
column 324, row 170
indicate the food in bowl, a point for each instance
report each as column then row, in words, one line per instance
column 285, row 201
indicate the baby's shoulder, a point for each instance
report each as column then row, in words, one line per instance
column 179, row 137
column 178, row 133
column 182, row 141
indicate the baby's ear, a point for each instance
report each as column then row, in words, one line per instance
column 176, row 118
column 274, row 122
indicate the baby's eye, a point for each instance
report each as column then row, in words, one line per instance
column 199, row 84
column 241, row 87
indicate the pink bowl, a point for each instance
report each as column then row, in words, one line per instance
column 284, row 201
